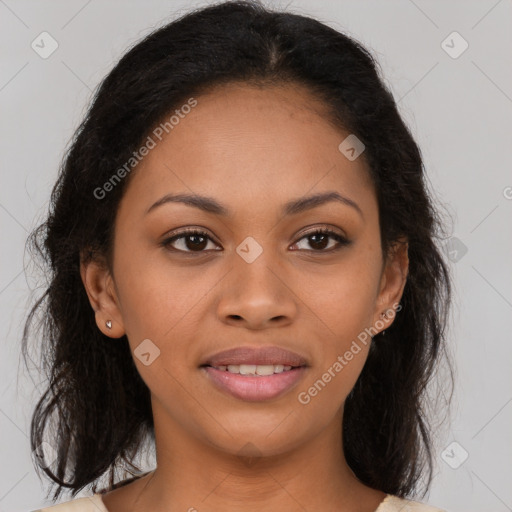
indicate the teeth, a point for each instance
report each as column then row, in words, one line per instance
column 254, row 369
column 264, row 369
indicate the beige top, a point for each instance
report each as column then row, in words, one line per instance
column 95, row 504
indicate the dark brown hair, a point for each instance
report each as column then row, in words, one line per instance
column 100, row 405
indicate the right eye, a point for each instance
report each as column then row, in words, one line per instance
column 191, row 240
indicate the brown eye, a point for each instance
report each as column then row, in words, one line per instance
column 320, row 239
column 189, row 241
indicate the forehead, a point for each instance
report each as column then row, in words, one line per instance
column 243, row 140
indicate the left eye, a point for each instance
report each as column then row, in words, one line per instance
column 320, row 238
column 197, row 241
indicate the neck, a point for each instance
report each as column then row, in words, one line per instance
column 195, row 476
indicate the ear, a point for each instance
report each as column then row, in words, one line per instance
column 392, row 283
column 100, row 289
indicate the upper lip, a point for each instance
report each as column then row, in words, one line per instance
column 259, row 356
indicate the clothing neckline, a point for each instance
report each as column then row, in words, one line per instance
column 384, row 502
column 98, row 500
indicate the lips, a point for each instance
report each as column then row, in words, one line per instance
column 253, row 375
column 255, row 356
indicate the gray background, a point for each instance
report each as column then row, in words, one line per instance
column 459, row 109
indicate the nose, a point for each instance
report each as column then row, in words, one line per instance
column 257, row 295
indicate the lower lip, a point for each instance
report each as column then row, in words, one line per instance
column 255, row 388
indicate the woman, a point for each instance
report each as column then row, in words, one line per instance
column 244, row 271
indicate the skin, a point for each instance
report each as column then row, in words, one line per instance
column 252, row 149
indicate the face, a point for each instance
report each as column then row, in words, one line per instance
column 307, row 278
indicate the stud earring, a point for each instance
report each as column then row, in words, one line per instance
column 383, row 315
column 108, row 323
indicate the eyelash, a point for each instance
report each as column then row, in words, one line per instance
column 342, row 241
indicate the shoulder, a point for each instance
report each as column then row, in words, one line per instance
column 396, row 504
column 88, row 504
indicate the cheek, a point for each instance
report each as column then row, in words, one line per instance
column 343, row 303
column 156, row 297
column 344, row 311
column 161, row 304
column 344, row 299
column 324, row 395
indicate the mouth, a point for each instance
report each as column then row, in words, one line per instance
column 255, row 374
column 254, row 370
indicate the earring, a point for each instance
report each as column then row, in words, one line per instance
column 108, row 323
column 383, row 315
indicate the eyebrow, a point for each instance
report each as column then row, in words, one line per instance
column 293, row 207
